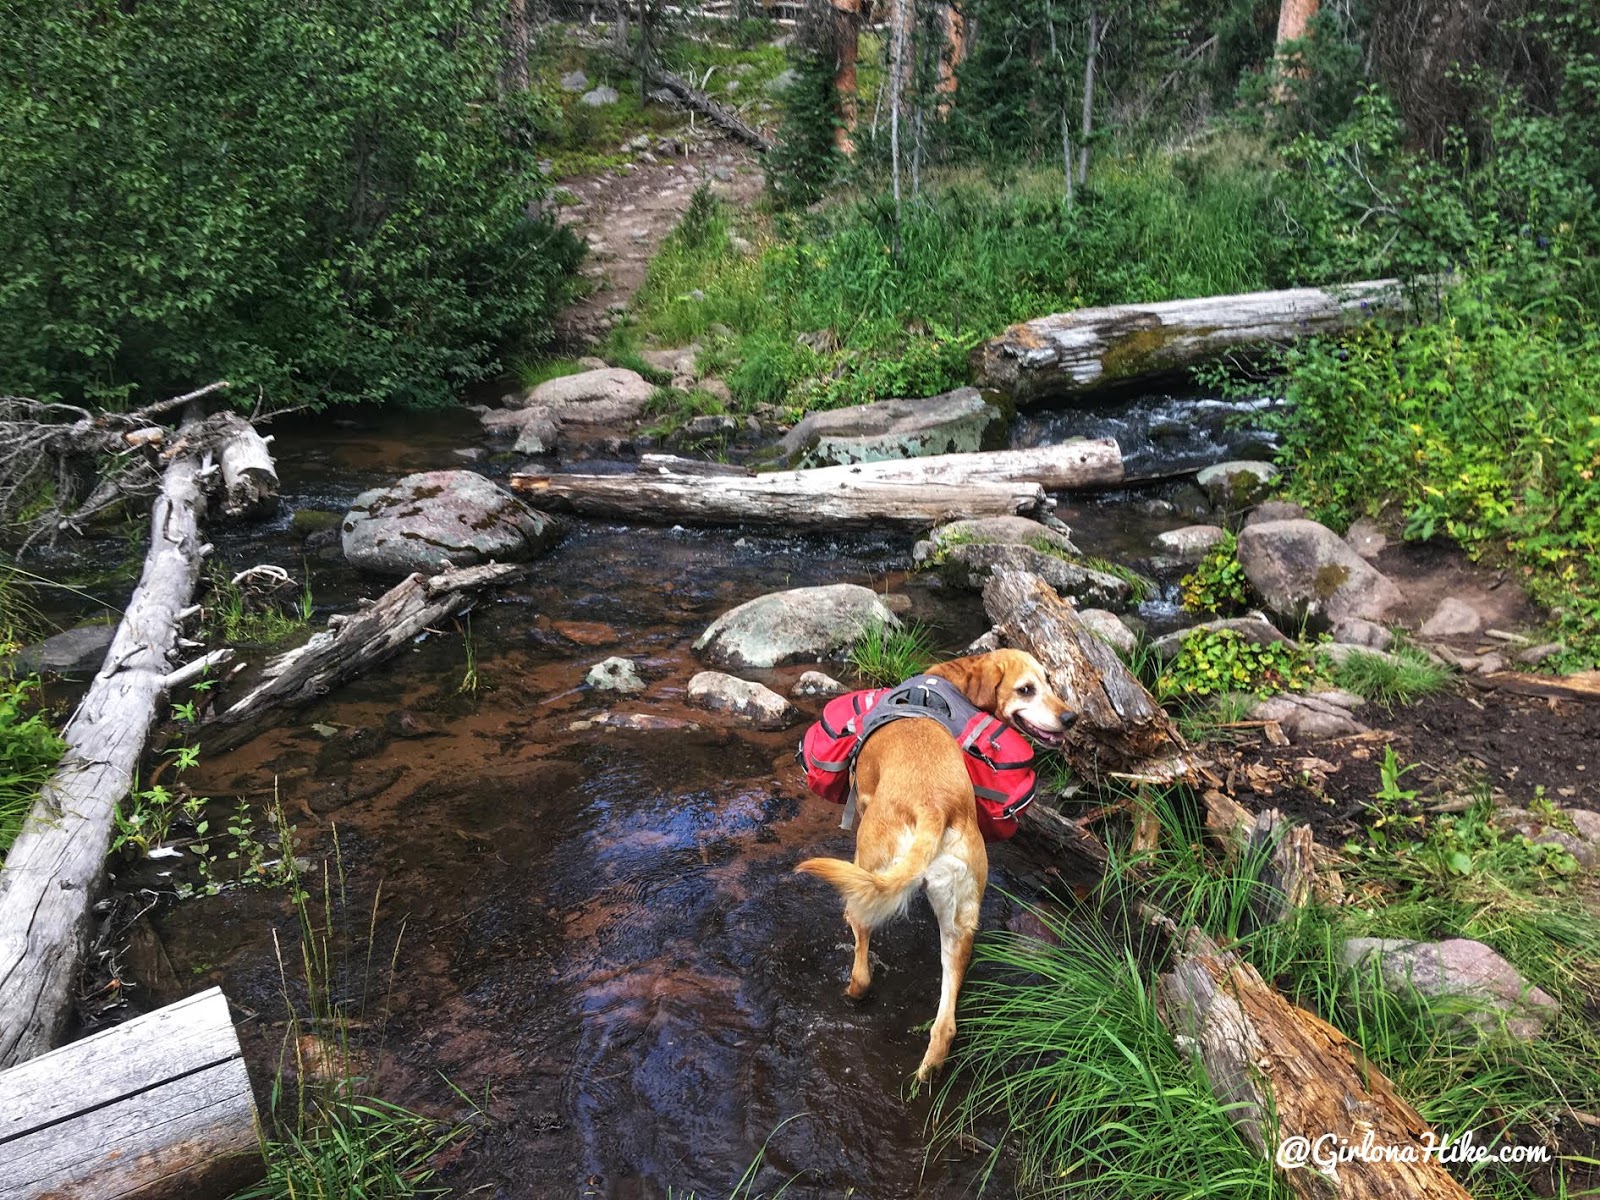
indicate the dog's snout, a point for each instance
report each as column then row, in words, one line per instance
column 1068, row 716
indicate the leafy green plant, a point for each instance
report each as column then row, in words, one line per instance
column 1210, row 662
column 30, row 748
column 886, row 654
column 1217, row 584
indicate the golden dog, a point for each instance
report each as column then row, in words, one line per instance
column 918, row 823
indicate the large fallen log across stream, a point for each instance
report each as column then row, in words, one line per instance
column 353, row 643
column 915, row 492
column 1088, row 349
column 54, row 869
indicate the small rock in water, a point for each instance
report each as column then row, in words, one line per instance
column 615, row 675
column 752, row 703
column 1235, row 485
column 815, row 683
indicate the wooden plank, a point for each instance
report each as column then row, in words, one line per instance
column 157, row 1107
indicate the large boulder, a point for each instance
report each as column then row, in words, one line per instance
column 1495, row 993
column 971, row 564
column 1236, row 485
column 800, row 625
column 604, row 397
column 1010, row 531
column 955, row 422
column 1303, row 570
column 751, row 703
column 439, row 519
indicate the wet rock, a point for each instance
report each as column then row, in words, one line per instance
column 956, row 422
column 348, row 746
column 1357, row 631
column 815, row 683
column 1254, row 628
column 1453, row 618
column 307, row 521
column 1306, row 718
column 615, row 675
column 803, row 624
column 749, row 702
column 970, row 564
column 600, row 97
column 1191, row 543
column 1455, row 967
column 402, row 723
column 711, row 425
column 1108, row 627
column 470, row 454
column 574, row 81
column 439, row 519
column 1236, row 485
column 1010, row 531
column 539, row 432
column 1575, row 830
column 1365, row 538
column 1303, row 570
column 80, row 650
column 1275, row 510
column 638, row 723
column 587, row 633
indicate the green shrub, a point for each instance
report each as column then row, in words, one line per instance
column 325, row 204
column 888, row 654
column 1214, row 661
column 29, row 751
column 1217, row 584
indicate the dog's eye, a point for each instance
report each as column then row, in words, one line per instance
column 1026, row 689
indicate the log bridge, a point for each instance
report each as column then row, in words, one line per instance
column 157, row 1108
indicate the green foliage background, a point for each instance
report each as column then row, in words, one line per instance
column 327, row 200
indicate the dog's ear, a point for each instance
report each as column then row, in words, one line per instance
column 978, row 677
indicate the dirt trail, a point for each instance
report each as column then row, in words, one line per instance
column 625, row 215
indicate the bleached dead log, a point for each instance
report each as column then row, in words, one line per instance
column 155, row 1108
column 53, row 871
column 249, row 478
column 779, row 498
column 917, row 492
column 1091, row 348
column 1286, row 1073
column 1120, row 728
column 352, row 644
column 718, row 114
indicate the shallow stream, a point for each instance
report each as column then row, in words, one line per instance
column 593, row 932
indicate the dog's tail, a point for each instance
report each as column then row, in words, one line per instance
column 873, row 898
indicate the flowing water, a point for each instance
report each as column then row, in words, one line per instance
column 593, row 931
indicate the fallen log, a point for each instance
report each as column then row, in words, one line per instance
column 779, row 498
column 1072, row 353
column 1120, row 728
column 54, row 869
column 249, row 478
column 353, row 643
column 156, row 1108
column 1293, row 1081
column 917, row 492
column 719, row 115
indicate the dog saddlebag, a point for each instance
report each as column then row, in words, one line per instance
column 828, row 747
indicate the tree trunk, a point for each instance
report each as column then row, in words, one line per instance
column 846, row 40
column 155, row 1108
column 1091, row 59
column 950, row 60
column 249, row 478
column 514, row 24
column 1294, row 18
column 54, row 870
column 1088, row 349
column 718, row 114
column 1285, row 1073
column 899, row 19
column 353, row 644
column 1120, row 728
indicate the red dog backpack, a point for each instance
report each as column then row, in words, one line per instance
column 999, row 759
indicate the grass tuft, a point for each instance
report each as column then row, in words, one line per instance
column 886, row 654
column 1404, row 675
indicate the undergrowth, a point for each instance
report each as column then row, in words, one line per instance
column 887, row 654
column 1400, row 676
column 29, row 751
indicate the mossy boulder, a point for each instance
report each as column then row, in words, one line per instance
column 959, row 422
column 438, row 519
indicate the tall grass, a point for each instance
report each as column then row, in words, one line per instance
column 886, row 654
column 892, row 307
